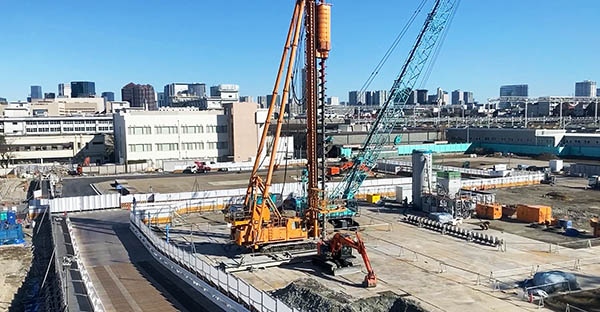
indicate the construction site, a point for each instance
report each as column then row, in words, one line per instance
column 360, row 233
column 372, row 230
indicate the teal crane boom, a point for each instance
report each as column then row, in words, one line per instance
column 391, row 112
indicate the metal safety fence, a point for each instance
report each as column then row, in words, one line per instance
column 85, row 276
column 226, row 290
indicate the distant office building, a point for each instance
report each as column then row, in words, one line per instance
column 598, row 92
column 139, row 96
column 412, row 98
column 108, row 96
column 457, row 97
column 3, row 100
column 584, row 88
column 246, row 98
column 432, row 99
column 226, row 92
column 468, row 97
column 36, row 92
column 160, row 98
column 49, row 95
column 422, row 96
column 333, row 100
column 82, row 89
column 197, row 89
column 357, row 98
column 64, row 90
column 378, row 97
column 270, row 98
column 262, row 101
column 515, row 90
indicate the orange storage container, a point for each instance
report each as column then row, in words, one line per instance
column 595, row 224
column 489, row 211
column 534, row 213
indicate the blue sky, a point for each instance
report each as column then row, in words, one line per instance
column 548, row 44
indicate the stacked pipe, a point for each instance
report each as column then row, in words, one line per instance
column 472, row 236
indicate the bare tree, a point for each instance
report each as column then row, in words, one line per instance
column 6, row 152
column 109, row 143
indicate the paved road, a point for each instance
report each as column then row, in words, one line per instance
column 125, row 275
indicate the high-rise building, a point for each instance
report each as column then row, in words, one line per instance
column 108, row 96
column 584, row 88
column 270, row 98
column 598, row 92
column 357, row 98
column 468, row 97
column 422, row 96
column 515, row 90
column 49, row 95
column 333, row 100
column 262, row 101
column 36, row 92
column 226, row 92
column 457, row 97
column 64, row 90
column 160, row 98
column 82, row 89
column 412, row 98
column 246, row 98
column 379, row 97
column 139, row 96
column 197, row 89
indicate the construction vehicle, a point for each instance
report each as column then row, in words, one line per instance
column 336, row 255
column 594, row 182
column 257, row 224
column 197, row 167
column 79, row 169
column 391, row 111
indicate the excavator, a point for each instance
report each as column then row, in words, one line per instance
column 336, row 255
column 258, row 222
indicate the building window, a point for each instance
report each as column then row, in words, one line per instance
column 212, row 145
column 192, row 146
column 192, row 129
column 165, row 129
column 221, row 129
column 90, row 128
column 211, row 129
column 139, row 130
column 140, row 147
column 166, row 147
column 79, row 128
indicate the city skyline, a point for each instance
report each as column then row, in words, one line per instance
column 547, row 71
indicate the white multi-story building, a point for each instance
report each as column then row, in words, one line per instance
column 64, row 139
column 229, row 134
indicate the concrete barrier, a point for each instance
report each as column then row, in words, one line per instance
column 447, row 229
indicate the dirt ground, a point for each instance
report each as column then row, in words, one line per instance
column 13, row 191
column 587, row 300
column 15, row 262
column 568, row 198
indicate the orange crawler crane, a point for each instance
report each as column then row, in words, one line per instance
column 336, row 254
column 258, row 221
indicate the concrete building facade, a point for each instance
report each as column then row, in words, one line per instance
column 64, row 89
column 63, row 139
column 585, row 88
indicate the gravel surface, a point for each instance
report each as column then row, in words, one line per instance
column 310, row 295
